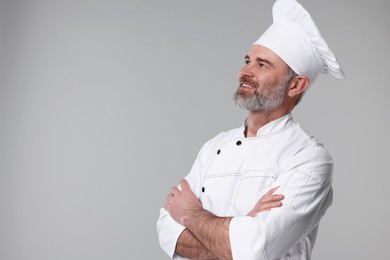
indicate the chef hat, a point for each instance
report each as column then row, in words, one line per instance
column 295, row 38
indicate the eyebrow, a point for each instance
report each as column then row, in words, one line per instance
column 261, row 60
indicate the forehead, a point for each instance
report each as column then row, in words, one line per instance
column 261, row 52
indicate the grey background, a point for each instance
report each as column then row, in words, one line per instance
column 104, row 105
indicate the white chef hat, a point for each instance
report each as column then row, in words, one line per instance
column 295, row 38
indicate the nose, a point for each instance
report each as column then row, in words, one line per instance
column 246, row 70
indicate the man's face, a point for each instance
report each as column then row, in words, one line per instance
column 262, row 81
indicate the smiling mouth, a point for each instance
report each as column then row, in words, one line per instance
column 243, row 85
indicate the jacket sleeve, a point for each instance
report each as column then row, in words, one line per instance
column 167, row 228
column 306, row 185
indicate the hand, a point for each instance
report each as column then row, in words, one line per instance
column 181, row 203
column 267, row 202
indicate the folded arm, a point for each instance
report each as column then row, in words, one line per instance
column 189, row 246
column 210, row 231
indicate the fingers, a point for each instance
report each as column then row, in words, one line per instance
column 267, row 202
column 166, row 205
column 175, row 191
column 272, row 198
column 274, row 204
column 270, row 205
column 169, row 197
column 178, row 193
column 261, row 207
column 184, row 185
column 271, row 191
column 269, row 196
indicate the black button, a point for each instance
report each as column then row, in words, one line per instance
column 203, row 189
column 238, row 143
column 219, row 151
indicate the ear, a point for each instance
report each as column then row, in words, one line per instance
column 297, row 86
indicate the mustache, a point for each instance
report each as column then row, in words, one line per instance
column 249, row 81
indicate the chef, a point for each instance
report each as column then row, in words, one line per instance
column 259, row 191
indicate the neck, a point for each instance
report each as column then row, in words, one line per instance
column 256, row 120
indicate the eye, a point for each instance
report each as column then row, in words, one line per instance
column 247, row 61
column 262, row 65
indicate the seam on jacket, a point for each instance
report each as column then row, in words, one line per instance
column 307, row 180
column 262, row 243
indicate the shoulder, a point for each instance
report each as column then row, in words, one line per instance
column 308, row 144
column 310, row 155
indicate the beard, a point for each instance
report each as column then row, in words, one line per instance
column 266, row 98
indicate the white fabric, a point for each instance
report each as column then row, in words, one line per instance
column 295, row 38
column 282, row 154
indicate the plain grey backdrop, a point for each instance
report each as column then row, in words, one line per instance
column 104, row 105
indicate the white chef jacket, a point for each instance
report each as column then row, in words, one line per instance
column 231, row 173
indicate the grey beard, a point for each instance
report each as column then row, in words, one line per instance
column 264, row 102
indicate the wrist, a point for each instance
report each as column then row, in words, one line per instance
column 194, row 216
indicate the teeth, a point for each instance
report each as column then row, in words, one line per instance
column 246, row 86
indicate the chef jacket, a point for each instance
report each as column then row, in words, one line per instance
column 231, row 173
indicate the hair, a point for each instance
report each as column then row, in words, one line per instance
column 290, row 74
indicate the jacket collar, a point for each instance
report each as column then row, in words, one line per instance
column 273, row 127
